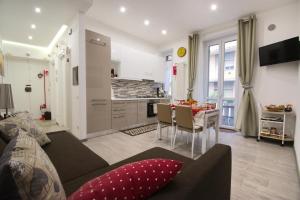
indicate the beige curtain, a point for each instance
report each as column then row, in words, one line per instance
column 193, row 58
column 247, row 121
column 1, row 64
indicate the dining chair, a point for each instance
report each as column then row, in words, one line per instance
column 185, row 122
column 164, row 118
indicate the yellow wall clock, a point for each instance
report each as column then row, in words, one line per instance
column 181, row 52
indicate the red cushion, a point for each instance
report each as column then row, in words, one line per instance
column 138, row 180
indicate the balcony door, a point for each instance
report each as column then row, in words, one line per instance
column 222, row 78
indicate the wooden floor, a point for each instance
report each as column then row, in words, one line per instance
column 260, row 171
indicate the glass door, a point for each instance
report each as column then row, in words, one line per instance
column 222, row 79
column 213, row 73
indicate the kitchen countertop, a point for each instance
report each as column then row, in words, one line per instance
column 134, row 99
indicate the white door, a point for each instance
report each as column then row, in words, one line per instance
column 222, row 78
column 58, row 97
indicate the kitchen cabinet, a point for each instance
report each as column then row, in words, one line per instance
column 142, row 111
column 98, row 115
column 131, row 113
column 98, row 82
column 118, row 115
column 124, row 114
column 131, row 60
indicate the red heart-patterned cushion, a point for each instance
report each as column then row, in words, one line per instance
column 138, row 180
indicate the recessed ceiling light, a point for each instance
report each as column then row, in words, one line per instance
column 164, row 32
column 213, row 7
column 30, row 37
column 37, row 10
column 122, row 9
column 98, row 39
column 33, row 26
column 147, row 22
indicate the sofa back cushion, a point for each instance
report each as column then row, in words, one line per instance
column 71, row 158
column 24, row 120
column 27, row 173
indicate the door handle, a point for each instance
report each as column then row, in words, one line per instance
column 99, row 104
column 97, row 100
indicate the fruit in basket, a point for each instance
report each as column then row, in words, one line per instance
column 281, row 107
column 192, row 101
column 188, row 102
column 274, row 108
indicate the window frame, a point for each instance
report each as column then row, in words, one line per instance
column 221, row 42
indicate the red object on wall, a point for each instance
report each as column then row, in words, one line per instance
column 174, row 70
column 46, row 72
column 43, row 107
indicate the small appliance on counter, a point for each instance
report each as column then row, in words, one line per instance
column 160, row 92
column 152, row 108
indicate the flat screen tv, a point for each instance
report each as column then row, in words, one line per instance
column 280, row 52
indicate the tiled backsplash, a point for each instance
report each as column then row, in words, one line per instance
column 124, row 88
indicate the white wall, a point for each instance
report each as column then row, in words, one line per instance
column 138, row 59
column 279, row 84
column 78, row 124
column 180, row 81
column 276, row 84
column 60, row 79
column 22, row 64
column 297, row 137
column 23, row 50
column 22, row 71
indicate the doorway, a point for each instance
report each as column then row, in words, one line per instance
column 60, row 72
column 222, row 78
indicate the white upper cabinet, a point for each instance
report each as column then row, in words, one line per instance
column 136, row 64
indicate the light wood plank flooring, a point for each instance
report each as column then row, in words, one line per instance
column 260, row 171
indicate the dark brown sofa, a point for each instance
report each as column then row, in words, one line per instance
column 207, row 178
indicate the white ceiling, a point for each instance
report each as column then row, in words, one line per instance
column 178, row 17
column 16, row 16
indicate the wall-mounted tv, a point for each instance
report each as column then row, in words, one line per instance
column 280, row 52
